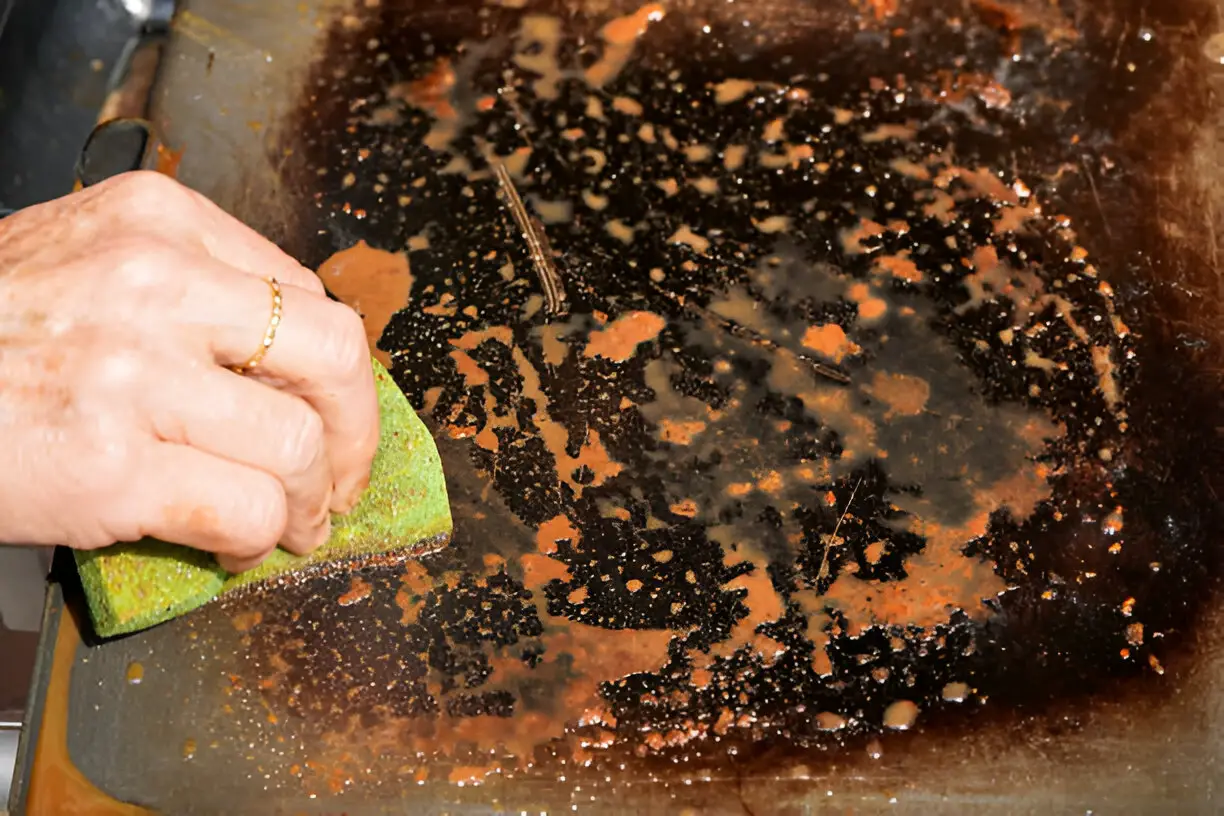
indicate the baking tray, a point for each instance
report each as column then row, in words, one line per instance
column 657, row 598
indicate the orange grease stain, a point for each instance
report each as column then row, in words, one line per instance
column 473, row 339
column 374, row 283
column 473, row 375
column 431, row 92
column 577, row 660
column 900, row 267
column 852, row 240
column 763, row 604
column 829, row 341
column 771, row 482
column 687, row 508
column 620, row 36
column 870, row 307
column 940, row 579
column 246, row 621
column 168, row 160
column 554, row 347
column 904, row 395
column 471, row 774
column 414, row 583
column 679, row 432
column 558, row 528
column 881, row 9
column 357, row 592
column 620, row 339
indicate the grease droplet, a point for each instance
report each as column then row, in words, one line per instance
column 901, row 715
column 828, row 721
column 956, row 692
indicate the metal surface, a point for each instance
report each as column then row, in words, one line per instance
column 54, row 614
column 730, row 612
column 8, row 761
column 57, row 62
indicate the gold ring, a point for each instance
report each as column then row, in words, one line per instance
column 269, row 337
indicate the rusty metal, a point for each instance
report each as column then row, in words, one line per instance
column 596, row 542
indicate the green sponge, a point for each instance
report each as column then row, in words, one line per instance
column 136, row 585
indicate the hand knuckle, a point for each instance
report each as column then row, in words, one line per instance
column 350, row 347
column 143, row 197
column 147, row 186
column 304, row 442
column 116, row 367
column 267, row 515
column 311, row 283
column 141, row 263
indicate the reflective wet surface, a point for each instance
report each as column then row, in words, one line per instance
column 875, row 404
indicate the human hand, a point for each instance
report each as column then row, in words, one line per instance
column 122, row 308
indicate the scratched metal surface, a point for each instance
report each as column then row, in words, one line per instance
column 765, row 568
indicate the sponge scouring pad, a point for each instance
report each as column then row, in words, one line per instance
column 133, row 586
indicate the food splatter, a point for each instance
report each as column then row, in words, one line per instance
column 905, row 395
column 621, row 338
column 358, row 591
column 829, row 341
column 374, row 282
column 620, row 36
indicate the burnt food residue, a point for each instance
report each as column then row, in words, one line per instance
column 849, row 429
